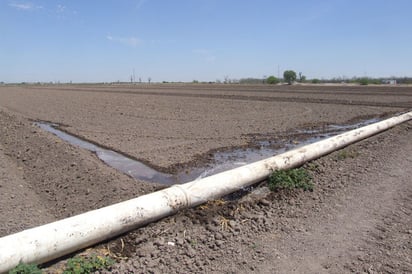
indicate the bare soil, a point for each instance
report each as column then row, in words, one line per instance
column 357, row 219
column 168, row 126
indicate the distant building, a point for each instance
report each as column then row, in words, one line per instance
column 389, row 81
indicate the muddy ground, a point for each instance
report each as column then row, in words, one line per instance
column 357, row 219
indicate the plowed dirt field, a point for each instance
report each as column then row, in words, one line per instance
column 358, row 218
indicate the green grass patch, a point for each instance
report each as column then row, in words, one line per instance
column 22, row 268
column 290, row 179
column 83, row 265
column 312, row 166
column 75, row 265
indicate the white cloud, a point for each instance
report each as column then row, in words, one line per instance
column 24, row 6
column 205, row 54
column 127, row 41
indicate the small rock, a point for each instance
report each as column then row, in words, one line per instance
column 190, row 252
column 361, row 259
column 216, row 221
column 232, row 224
column 159, row 242
column 171, row 243
column 219, row 243
column 202, row 238
column 139, row 240
column 180, row 241
column 264, row 202
column 155, row 254
column 218, row 236
column 212, row 228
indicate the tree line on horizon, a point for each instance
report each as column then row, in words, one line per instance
column 291, row 77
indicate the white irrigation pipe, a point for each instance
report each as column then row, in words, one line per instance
column 50, row 241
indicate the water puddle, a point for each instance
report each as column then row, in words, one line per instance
column 222, row 161
column 334, row 129
column 114, row 159
column 230, row 159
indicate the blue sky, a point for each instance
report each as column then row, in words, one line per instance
column 205, row 40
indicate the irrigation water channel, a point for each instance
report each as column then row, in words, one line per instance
column 222, row 161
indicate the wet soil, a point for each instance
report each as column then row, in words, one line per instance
column 170, row 126
column 357, row 219
column 43, row 178
column 223, row 160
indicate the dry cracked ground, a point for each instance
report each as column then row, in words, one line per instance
column 357, row 218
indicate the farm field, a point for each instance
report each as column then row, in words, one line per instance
column 175, row 127
column 168, row 125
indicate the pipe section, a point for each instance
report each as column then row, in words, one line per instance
column 53, row 240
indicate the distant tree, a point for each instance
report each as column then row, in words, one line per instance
column 149, row 79
column 272, row 80
column 251, row 81
column 289, row 76
column 364, row 81
column 302, row 78
column 315, row 81
column 402, row 80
